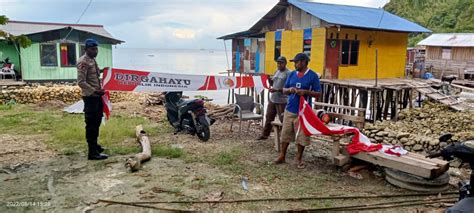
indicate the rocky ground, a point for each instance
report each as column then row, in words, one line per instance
column 33, row 169
column 35, row 93
column 419, row 129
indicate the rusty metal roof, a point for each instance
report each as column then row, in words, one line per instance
column 29, row 28
column 449, row 40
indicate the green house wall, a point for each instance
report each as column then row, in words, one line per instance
column 33, row 71
column 9, row 51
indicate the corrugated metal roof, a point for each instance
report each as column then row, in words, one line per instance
column 243, row 34
column 449, row 40
column 355, row 16
column 344, row 15
column 28, row 28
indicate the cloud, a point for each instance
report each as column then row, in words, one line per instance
column 157, row 24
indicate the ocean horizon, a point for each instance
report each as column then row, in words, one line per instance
column 182, row 61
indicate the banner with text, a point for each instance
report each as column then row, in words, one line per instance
column 142, row 81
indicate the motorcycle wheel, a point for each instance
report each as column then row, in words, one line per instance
column 204, row 133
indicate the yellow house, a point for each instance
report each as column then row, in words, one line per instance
column 341, row 40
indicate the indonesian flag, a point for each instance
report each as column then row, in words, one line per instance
column 107, row 105
column 312, row 125
column 64, row 58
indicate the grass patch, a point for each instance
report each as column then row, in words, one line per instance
column 67, row 131
column 166, row 151
column 227, row 157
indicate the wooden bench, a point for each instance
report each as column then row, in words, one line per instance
column 411, row 163
column 340, row 115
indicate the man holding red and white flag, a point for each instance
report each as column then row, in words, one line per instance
column 302, row 83
column 311, row 125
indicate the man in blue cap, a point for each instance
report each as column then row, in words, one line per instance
column 88, row 79
column 302, row 82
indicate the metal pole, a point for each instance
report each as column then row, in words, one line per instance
column 229, row 93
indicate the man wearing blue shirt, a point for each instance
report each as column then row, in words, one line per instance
column 303, row 82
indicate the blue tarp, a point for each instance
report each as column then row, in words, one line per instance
column 354, row 16
column 278, row 35
column 308, row 34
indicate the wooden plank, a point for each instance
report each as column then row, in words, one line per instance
column 437, row 161
column 341, row 160
column 355, row 119
column 335, row 150
column 463, row 87
column 338, row 106
column 419, row 168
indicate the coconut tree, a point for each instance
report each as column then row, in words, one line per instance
column 20, row 40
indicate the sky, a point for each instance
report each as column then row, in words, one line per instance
column 163, row 24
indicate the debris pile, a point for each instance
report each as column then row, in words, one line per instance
column 219, row 112
column 155, row 99
column 419, row 129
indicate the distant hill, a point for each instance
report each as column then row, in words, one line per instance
column 440, row 16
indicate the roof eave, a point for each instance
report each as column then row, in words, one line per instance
column 383, row 29
column 114, row 40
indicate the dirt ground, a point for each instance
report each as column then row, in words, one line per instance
column 31, row 172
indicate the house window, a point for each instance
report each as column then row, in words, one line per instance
column 349, row 52
column 48, row 55
column 277, row 49
column 446, row 53
column 278, row 35
column 68, row 55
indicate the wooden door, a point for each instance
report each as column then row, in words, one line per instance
column 332, row 58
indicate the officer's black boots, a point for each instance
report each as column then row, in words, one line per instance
column 95, row 155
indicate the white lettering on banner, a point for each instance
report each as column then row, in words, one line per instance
column 131, row 79
column 140, row 81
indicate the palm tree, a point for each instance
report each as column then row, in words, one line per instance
column 20, row 40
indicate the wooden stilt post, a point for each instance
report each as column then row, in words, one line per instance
column 388, row 103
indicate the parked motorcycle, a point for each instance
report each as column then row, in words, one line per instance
column 188, row 116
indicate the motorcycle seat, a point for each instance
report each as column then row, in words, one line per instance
column 183, row 103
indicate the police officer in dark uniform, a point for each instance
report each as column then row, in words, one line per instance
column 88, row 78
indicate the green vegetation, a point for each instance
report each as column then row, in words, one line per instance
column 440, row 16
column 21, row 40
column 66, row 132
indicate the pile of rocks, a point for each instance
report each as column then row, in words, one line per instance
column 419, row 129
column 32, row 94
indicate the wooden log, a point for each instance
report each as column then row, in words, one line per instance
column 423, row 167
column 134, row 163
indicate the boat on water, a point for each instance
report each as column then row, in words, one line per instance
column 151, row 55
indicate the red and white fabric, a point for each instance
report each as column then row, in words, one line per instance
column 393, row 150
column 107, row 109
column 312, row 125
column 142, row 81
